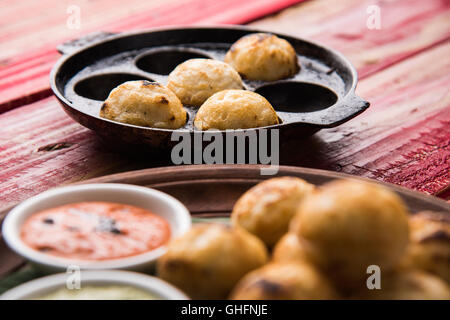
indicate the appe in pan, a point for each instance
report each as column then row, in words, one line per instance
column 144, row 103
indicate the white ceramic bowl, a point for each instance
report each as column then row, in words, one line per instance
column 158, row 202
column 42, row 286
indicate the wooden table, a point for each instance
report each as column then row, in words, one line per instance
column 404, row 71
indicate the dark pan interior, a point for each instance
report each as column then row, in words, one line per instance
column 86, row 78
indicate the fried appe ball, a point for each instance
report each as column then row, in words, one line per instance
column 144, row 103
column 266, row 209
column 348, row 225
column 195, row 80
column 263, row 56
column 235, row 109
column 429, row 246
column 289, row 249
column 209, row 260
column 284, row 281
column 408, row 285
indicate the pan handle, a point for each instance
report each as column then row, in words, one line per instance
column 342, row 111
column 73, row 45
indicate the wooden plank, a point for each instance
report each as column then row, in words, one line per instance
column 42, row 147
column 398, row 133
column 403, row 137
column 27, row 53
column 407, row 28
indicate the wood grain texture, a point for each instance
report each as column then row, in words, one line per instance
column 211, row 191
column 27, row 52
column 52, row 153
column 403, row 137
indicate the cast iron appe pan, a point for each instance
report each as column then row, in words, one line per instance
column 320, row 95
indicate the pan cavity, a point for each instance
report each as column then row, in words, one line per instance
column 98, row 87
column 163, row 61
column 298, row 96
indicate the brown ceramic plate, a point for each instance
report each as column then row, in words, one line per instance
column 211, row 190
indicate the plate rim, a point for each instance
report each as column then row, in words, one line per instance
column 114, row 36
column 167, row 171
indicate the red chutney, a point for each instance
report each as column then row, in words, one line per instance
column 95, row 231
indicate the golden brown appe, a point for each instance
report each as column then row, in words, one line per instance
column 235, row 109
column 195, row 80
column 289, row 249
column 144, row 103
column 263, row 56
column 348, row 225
column 284, row 281
column 209, row 260
column 267, row 208
column 408, row 284
column 429, row 246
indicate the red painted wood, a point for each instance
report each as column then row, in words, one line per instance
column 24, row 76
